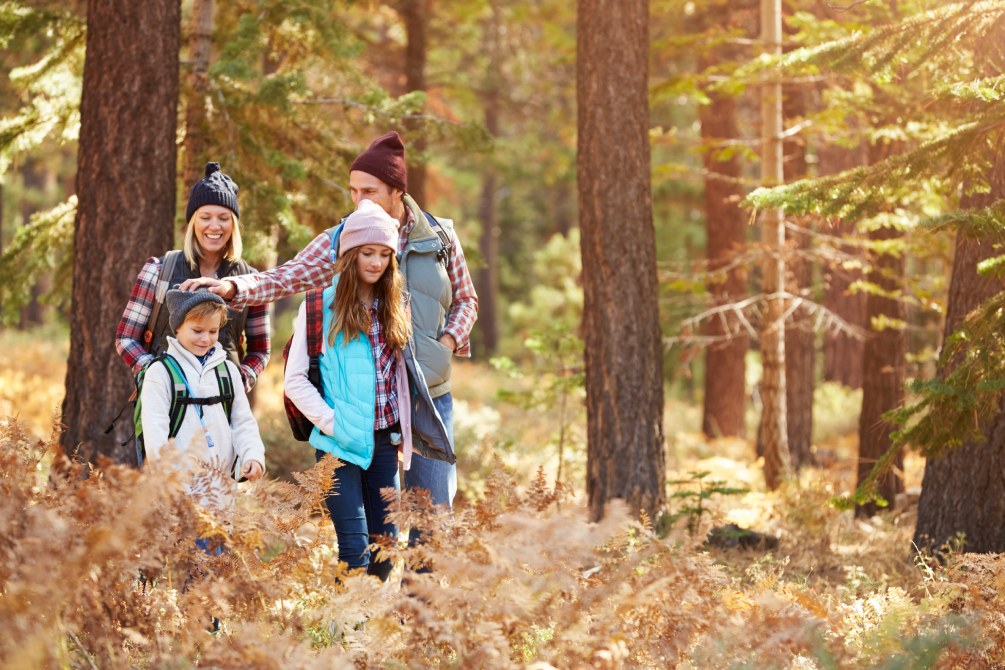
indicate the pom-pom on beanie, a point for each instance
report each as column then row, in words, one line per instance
column 385, row 160
column 180, row 302
column 215, row 188
column 369, row 224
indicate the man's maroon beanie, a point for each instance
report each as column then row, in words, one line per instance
column 385, row 160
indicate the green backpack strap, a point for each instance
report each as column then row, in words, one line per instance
column 179, row 394
column 226, row 386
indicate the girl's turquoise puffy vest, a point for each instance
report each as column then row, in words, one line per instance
column 348, row 375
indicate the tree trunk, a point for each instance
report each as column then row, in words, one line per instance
column 882, row 374
column 963, row 492
column 414, row 15
column 726, row 234
column 200, row 48
column 624, row 351
column 487, row 276
column 126, row 188
column 843, row 352
column 33, row 185
column 883, row 361
column 773, row 431
column 800, row 340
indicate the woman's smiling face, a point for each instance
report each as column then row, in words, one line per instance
column 213, row 227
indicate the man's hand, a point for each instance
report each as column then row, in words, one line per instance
column 447, row 340
column 224, row 289
column 252, row 470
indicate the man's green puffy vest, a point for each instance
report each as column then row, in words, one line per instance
column 424, row 266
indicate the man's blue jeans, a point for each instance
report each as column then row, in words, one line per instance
column 356, row 508
column 438, row 477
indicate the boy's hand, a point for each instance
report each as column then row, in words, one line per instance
column 252, row 470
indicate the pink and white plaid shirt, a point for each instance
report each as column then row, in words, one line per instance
column 312, row 268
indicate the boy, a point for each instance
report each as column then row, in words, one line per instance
column 206, row 433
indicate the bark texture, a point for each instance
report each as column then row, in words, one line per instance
column 726, row 232
column 963, row 492
column 200, row 49
column 773, row 431
column 800, row 340
column 414, row 15
column 126, row 189
column 883, row 373
column 624, row 363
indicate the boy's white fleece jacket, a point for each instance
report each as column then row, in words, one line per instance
column 240, row 436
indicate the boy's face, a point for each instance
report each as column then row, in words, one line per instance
column 199, row 334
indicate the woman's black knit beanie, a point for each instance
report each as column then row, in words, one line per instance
column 215, row 188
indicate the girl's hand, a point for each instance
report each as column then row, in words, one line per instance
column 252, row 470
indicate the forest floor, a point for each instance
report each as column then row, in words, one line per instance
column 833, row 592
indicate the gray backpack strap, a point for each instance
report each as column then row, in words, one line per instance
column 446, row 240
column 163, row 284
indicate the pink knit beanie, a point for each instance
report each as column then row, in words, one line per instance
column 369, row 224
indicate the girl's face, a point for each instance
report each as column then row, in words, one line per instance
column 213, row 227
column 371, row 262
column 199, row 335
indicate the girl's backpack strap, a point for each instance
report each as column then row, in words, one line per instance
column 315, row 322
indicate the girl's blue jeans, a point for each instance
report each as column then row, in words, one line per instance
column 356, row 508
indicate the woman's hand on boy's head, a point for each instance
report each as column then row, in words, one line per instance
column 252, row 470
column 222, row 288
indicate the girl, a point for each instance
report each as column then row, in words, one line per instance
column 212, row 248
column 363, row 413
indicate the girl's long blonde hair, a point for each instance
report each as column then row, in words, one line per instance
column 352, row 318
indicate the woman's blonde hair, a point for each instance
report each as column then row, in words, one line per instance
column 352, row 318
column 193, row 252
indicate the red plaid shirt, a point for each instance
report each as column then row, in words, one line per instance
column 129, row 334
column 312, row 268
column 386, row 414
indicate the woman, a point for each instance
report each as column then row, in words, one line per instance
column 212, row 248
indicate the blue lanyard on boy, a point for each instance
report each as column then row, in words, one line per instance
column 198, row 408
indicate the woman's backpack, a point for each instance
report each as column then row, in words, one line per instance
column 300, row 424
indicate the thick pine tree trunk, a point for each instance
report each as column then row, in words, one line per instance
column 126, row 189
column 200, row 49
column 725, row 226
column 963, row 492
column 624, row 352
column 414, row 14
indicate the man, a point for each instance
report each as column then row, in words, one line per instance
column 443, row 301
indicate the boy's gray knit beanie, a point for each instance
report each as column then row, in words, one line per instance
column 180, row 302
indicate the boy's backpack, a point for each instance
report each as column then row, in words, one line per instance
column 300, row 424
column 181, row 398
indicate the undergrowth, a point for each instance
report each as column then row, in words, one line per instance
column 518, row 578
